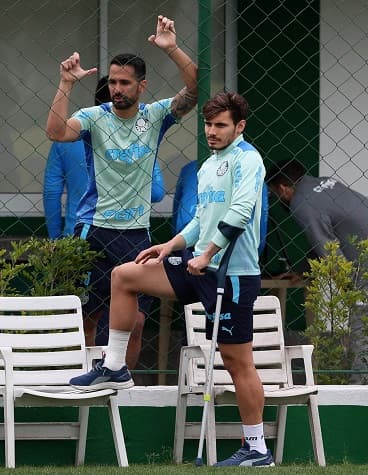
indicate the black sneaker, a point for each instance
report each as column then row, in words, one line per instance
column 101, row 377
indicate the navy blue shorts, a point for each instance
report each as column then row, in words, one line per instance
column 118, row 246
column 240, row 293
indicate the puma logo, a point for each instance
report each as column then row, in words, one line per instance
column 229, row 330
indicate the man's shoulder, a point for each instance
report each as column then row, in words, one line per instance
column 317, row 185
column 159, row 105
column 158, row 113
column 242, row 147
column 246, row 146
column 93, row 111
column 308, row 193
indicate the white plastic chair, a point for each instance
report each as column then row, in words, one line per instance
column 273, row 362
column 41, row 347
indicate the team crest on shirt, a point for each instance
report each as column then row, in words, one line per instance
column 142, row 125
column 174, row 260
column 223, row 168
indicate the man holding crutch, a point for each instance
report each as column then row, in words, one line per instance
column 229, row 197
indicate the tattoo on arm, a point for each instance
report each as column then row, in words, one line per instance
column 183, row 102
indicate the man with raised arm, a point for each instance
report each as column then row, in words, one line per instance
column 122, row 143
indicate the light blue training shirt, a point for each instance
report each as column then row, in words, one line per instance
column 230, row 184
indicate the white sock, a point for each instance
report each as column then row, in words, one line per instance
column 116, row 349
column 255, row 437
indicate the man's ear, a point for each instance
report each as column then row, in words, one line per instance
column 276, row 189
column 142, row 86
column 286, row 192
column 240, row 126
column 281, row 187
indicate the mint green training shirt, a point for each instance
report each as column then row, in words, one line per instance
column 229, row 189
column 120, row 156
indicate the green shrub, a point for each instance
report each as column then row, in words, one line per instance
column 12, row 265
column 47, row 267
column 335, row 286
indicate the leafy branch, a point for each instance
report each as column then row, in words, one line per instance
column 335, row 287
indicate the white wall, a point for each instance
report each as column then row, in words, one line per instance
column 38, row 34
column 344, row 92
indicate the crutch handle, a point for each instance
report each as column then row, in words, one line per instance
column 232, row 233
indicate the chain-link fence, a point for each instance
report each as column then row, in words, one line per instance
column 302, row 66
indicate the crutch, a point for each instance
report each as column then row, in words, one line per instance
column 231, row 232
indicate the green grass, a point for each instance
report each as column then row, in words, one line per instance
column 153, row 469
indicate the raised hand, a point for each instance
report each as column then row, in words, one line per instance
column 165, row 37
column 71, row 70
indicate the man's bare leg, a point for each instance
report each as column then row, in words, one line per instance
column 135, row 342
column 238, row 360
column 127, row 281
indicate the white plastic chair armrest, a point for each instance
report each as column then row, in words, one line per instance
column 193, row 351
column 6, row 354
column 303, row 352
column 199, row 351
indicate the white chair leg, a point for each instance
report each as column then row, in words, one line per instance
column 179, row 435
column 281, row 428
column 9, row 431
column 181, row 408
column 82, row 440
column 117, row 432
column 316, row 432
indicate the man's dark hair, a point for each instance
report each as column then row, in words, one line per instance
column 285, row 172
column 226, row 101
column 102, row 93
column 127, row 59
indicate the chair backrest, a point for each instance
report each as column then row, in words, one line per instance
column 268, row 344
column 46, row 336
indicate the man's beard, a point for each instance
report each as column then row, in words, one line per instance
column 123, row 103
column 217, row 148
